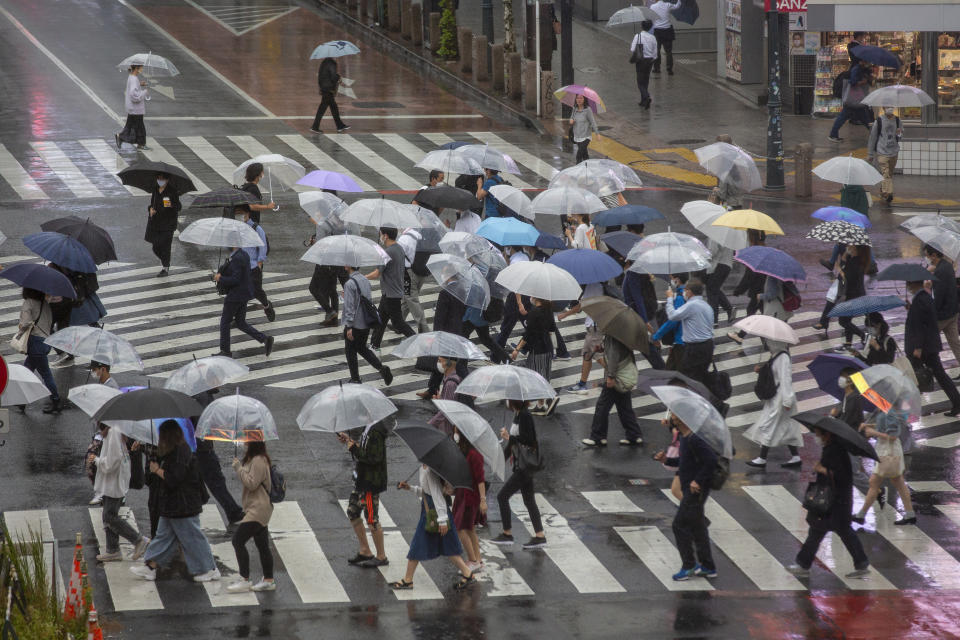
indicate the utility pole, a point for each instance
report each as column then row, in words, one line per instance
column 566, row 49
column 775, row 180
column 486, row 19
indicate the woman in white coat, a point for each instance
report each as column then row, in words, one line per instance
column 775, row 426
column 113, row 482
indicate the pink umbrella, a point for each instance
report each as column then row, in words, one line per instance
column 568, row 95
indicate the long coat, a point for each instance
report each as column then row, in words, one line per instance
column 775, row 426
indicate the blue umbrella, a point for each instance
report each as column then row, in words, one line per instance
column 40, row 277
column 334, row 49
column 865, row 304
column 876, row 55
column 186, row 424
column 508, row 232
column 454, row 144
column 61, row 250
column 843, row 214
column 826, row 368
column 621, row 241
column 687, row 11
column 627, row 214
column 586, row 265
column 906, row 271
column 550, row 241
column 772, row 262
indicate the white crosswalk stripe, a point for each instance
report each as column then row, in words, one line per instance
column 18, row 177
column 129, row 592
column 373, row 160
column 157, row 153
column 110, row 160
column 66, row 170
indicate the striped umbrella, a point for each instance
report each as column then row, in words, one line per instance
column 865, row 304
column 840, row 232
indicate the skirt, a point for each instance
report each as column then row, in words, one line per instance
column 427, row 546
column 89, row 312
column 542, row 363
column 465, row 516
column 891, row 459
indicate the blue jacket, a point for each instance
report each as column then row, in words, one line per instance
column 633, row 293
column 235, row 276
column 673, row 325
column 697, row 462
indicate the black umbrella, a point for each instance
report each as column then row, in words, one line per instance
column 148, row 404
column 852, row 439
column 143, row 175
column 446, row 197
column 648, row 378
column 96, row 239
column 436, row 450
column 226, row 197
column 906, row 272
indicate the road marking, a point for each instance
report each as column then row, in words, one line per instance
column 660, row 557
column 440, row 139
column 66, row 171
column 373, row 160
column 211, row 156
column 567, row 551
column 250, row 145
column 242, row 16
column 129, row 593
column 924, row 486
column 18, row 178
column 532, row 162
column 611, row 502
column 110, row 160
column 385, row 520
column 304, row 559
column 319, row 158
column 24, row 525
column 158, row 154
column 211, row 521
column 387, row 116
column 503, row 580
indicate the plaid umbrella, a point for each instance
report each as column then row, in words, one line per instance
column 220, row 198
column 841, row 232
column 865, row 304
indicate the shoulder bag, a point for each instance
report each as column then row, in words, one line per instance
column 819, row 497
column 528, row 459
column 21, row 341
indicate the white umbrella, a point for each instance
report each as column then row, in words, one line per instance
column 477, row 430
column 731, row 164
column 23, row 387
column 848, row 170
column 282, row 170
column 438, row 344
column 153, row 65
column 203, row 374
column 344, row 251
column 540, row 280
column 699, row 415
column 344, row 406
column 560, row 201
column 236, row 418
column 489, row 158
column 449, row 161
column 898, row 95
column 380, row 212
column 595, row 178
column 506, row 382
column 701, row 215
column 622, row 171
column 768, row 327
column 90, row 397
column 931, row 219
column 221, row 232
column 669, row 252
column 631, row 14
column 460, row 279
column 514, row 199
column 96, row 345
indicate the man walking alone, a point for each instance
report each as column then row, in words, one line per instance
column 697, row 462
column 258, row 255
column 234, row 277
column 644, row 48
column 369, row 481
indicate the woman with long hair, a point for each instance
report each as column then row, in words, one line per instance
column 520, row 434
column 881, row 348
column 581, row 123
column 254, row 474
column 536, row 339
column 470, row 505
column 37, row 318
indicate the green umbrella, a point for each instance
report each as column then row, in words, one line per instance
column 618, row 321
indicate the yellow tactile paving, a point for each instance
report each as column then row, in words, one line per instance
column 642, row 162
column 920, row 202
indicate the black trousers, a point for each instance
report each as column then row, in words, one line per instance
column 133, row 131
column 323, row 286
column 582, row 150
column 390, row 311
column 561, row 346
column 359, row 346
column 498, row 354
column 696, row 360
column 161, row 245
column 261, row 538
column 932, row 362
column 256, row 274
column 212, row 476
column 690, row 531
column 849, row 329
column 608, row 399
column 644, row 65
column 327, row 99
column 847, row 536
column 511, row 316
column 522, row 482
column 715, row 295
column 236, row 312
column 664, row 41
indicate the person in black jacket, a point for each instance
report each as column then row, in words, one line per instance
column 881, row 347
column 234, row 276
column 697, row 463
column 210, row 469
column 329, row 81
column 751, row 283
column 447, row 316
column 520, row 434
column 181, row 500
column 945, row 299
column 853, row 264
column 921, row 342
column 162, row 221
column 536, row 342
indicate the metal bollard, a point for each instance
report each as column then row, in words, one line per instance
column 803, row 173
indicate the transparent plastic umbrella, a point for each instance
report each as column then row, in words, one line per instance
column 513, row 199
column 436, row 344
column 931, row 219
column 730, row 164
column 23, row 387
column 631, row 14
column 344, row 406
column 449, row 161
column 489, row 158
column 768, row 327
column 3, row 238
column 153, row 65
column 380, row 212
column 281, row 172
column 344, row 251
column 464, row 244
column 940, row 237
column 236, row 418
column 566, row 200
column 848, row 170
column 457, row 277
column 477, row 430
column 597, row 179
column 90, row 397
column 506, row 382
column 203, row 374
column 888, row 388
column 321, row 206
column 702, row 215
column 622, row 171
column 898, row 95
column 699, row 415
column 540, row 280
column 431, row 229
column 97, row 345
column 669, row 252
column 220, row 232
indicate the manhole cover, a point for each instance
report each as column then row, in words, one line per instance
column 686, row 141
column 589, row 69
column 377, row 105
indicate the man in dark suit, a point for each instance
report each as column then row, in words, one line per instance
column 945, row 299
column 922, row 342
column 234, row 276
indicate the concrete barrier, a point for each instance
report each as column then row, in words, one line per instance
column 496, row 59
column 465, row 46
column 480, row 59
column 515, row 75
column 416, row 24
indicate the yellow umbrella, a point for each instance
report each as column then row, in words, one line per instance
column 749, row 219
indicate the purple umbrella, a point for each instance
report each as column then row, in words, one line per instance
column 842, row 214
column 772, row 262
column 321, row 179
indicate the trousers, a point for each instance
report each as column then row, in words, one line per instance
column 390, row 311
column 212, row 476
column 644, row 65
column 133, row 131
column 410, row 305
column 115, row 527
column 323, row 287
column 715, row 295
column 36, row 361
column 261, row 538
column 696, row 360
column 582, row 150
column 497, row 353
column 256, row 275
column 358, row 346
column 187, row 533
column 664, row 41
column 690, row 531
column 601, row 415
column 522, row 482
column 327, row 99
column 887, row 165
column 950, row 332
column 847, row 536
column 161, row 245
column 932, row 362
column 236, row 312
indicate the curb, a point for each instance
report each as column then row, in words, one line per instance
column 459, row 87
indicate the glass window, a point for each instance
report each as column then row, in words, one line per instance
column 948, row 77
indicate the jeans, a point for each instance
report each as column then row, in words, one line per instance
column 327, row 99
column 323, row 288
column 847, row 113
column 582, row 150
column 163, row 240
column 411, row 303
column 236, row 312
column 601, row 415
column 189, row 535
column 847, row 536
column 715, row 295
column 932, row 362
column 358, row 346
column 664, row 41
column 261, row 538
column 37, row 362
column 212, row 476
column 519, row 481
column 390, row 312
column 690, row 530
column 133, row 131
column 256, row 275
column 644, row 65
column 115, row 527
column 696, row 359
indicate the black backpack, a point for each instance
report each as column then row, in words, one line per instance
column 419, row 264
column 719, row 383
column 494, row 311
column 837, row 89
column 278, row 485
column 766, row 387
column 366, row 308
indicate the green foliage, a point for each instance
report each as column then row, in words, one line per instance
column 448, row 31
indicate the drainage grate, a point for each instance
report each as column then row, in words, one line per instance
column 376, row 105
column 686, row 141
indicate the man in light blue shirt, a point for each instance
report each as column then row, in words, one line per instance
column 696, row 318
column 258, row 256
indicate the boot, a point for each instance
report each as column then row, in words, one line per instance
column 55, row 406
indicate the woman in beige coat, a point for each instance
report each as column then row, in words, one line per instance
column 254, row 473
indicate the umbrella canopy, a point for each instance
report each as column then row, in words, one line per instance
column 322, row 207
column 96, row 239
column 488, row 158
column 3, row 238
column 344, row 251
column 508, row 232
column 772, row 262
column 464, row 244
column 876, row 55
column 550, row 241
column 23, row 387
column 840, row 232
column 344, row 406
column 449, row 161
column 888, row 388
column 599, row 179
column 848, row 170
column 907, row 272
column 89, row 398
column 281, row 172
column 631, row 14
column 621, row 241
column 931, row 219
column 702, row 214
column 203, row 374
column 669, row 252
column 438, row 344
column 622, row 171
column 380, row 212
column 940, row 238
column 435, row 449
column 826, row 368
column 851, row 439
column 512, row 201
column 143, row 175
column 842, row 214
column 865, row 304
column 587, row 265
column 477, row 430
column 560, row 201
column 768, row 327
column 446, row 197
column 539, row 280
column 699, row 415
column 730, row 164
column 222, row 198
column 749, row 219
column 334, row 49
column 221, row 232
column 618, row 321
column 236, row 418
column 147, row 404
column 431, row 229
column 321, row 179
column 153, row 65
column 506, row 382
column 61, row 250
column 453, row 144
column 97, row 345
column 457, row 277
column 898, row 95
column 40, row 277
column 649, row 378
column 568, row 95
column 627, row 214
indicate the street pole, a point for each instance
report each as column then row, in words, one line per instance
column 536, row 23
column 774, row 104
column 566, row 49
column 486, row 19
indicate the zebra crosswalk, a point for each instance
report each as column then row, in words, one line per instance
column 87, row 168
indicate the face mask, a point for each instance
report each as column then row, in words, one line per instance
column 161, row 183
column 440, row 368
column 456, row 438
column 875, row 332
column 888, row 112
column 842, row 382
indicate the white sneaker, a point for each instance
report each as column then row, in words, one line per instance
column 240, row 586
column 209, row 576
column 144, row 572
column 140, row 549
column 116, row 556
column 96, row 500
column 265, row 585
column 475, row 566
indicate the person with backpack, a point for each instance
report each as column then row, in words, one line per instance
column 369, row 454
column 254, row 474
column 478, row 320
column 775, row 425
column 415, row 276
column 447, row 316
column 854, row 91
column 235, row 279
column 36, row 318
column 258, row 255
column 357, row 323
column 490, row 179
column 162, row 221
column 112, row 483
column 252, row 175
column 620, row 377
column 884, row 146
column 696, row 466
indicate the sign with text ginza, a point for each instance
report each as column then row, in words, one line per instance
column 786, row 5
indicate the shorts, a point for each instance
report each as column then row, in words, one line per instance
column 364, row 501
column 592, row 344
column 465, row 516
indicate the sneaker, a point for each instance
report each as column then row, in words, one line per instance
column 141, row 548
column 268, row 346
column 703, row 572
column 684, row 575
column 240, row 586
column 387, row 375
column 551, row 405
column 535, row 543
column 626, row 442
column 950, row 413
column 265, row 585
column 503, row 538
column 209, row 576
column 826, row 264
column 539, row 410
column 858, row 573
column 373, row 563
column 271, row 313
column 834, row 138
column 903, row 521
column 580, row 387
column 142, row 147
column 330, row 321
column 475, row 567
column 163, row 273
column 858, row 519
column 359, row 559
column 144, row 572
column 562, row 356
column 590, row 442
column 795, row 461
column 226, row 354
column 116, row 138
column 735, row 337
column 343, row 128
column 760, row 463
column 315, row 130
column 116, row 556
column 797, row 570
column 96, row 500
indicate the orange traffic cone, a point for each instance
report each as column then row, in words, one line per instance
column 86, row 599
column 71, row 608
column 94, row 632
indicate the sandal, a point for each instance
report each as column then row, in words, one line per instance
column 464, row 582
column 402, row 584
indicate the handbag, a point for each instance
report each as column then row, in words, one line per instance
column 818, row 498
column 432, row 521
column 21, row 341
column 833, row 291
column 635, row 54
column 137, row 479
column 528, row 459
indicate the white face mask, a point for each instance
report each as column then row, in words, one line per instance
column 888, row 112
column 161, row 182
column 875, row 332
column 441, row 368
column 456, row 438
column 842, row 382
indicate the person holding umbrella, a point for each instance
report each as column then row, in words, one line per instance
column 470, row 505
column 370, row 480
column 253, row 175
column 751, row 283
column 111, row 484
column 356, row 328
column 884, row 146
column 887, row 430
column 945, row 297
column 134, row 99
column 644, row 51
column 254, row 473
column 536, row 341
column 775, row 425
column 162, row 221
column 620, row 377
column 581, row 123
column 921, row 339
column 36, row 319
column 881, row 348
column 853, row 265
column 258, row 255
column 329, row 81
column 856, row 89
column 520, row 434
column 234, row 276
column 391, row 288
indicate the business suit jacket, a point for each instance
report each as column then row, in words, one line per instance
column 235, row 276
column 921, row 331
column 945, row 291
